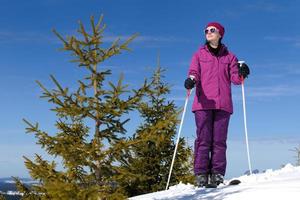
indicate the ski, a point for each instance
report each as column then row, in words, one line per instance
column 209, row 185
column 230, row 183
column 234, row 182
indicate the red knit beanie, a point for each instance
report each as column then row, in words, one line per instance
column 218, row 26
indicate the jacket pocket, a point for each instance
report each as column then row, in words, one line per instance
column 205, row 60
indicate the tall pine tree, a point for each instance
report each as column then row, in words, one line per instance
column 90, row 154
column 150, row 155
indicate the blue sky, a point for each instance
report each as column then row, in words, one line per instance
column 264, row 33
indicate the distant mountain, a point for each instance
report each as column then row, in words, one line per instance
column 8, row 188
column 9, row 191
column 4, row 179
column 12, row 197
column 11, row 180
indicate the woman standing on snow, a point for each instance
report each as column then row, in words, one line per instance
column 212, row 70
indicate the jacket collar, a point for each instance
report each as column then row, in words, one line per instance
column 223, row 50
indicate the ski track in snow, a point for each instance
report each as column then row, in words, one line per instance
column 283, row 184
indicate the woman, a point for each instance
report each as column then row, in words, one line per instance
column 212, row 70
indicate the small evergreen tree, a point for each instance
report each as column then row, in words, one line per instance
column 149, row 158
column 90, row 154
column 297, row 150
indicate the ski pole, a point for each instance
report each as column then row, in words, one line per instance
column 178, row 135
column 245, row 123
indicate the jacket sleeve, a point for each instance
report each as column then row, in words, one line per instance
column 234, row 72
column 194, row 69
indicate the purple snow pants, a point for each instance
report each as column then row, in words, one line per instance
column 210, row 144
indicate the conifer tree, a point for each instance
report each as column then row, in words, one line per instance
column 90, row 126
column 149, row 158
column 297, row 150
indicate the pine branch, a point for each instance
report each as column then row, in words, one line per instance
column 129, row 40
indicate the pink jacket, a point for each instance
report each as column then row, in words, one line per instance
column 214, row 75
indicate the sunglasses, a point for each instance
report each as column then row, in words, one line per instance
column 211, row 30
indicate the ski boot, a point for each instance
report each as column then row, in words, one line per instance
column 216, row 179
column 201, row 180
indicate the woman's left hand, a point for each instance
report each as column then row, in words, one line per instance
column 243, row 70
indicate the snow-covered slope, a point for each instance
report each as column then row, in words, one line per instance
column 278, row 184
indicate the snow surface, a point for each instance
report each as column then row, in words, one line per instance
column 272, row 184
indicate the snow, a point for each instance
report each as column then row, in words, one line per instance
column 11, row 193
column 272, row 184
column 24, row 182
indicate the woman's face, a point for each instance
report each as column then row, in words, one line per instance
column 212, row 34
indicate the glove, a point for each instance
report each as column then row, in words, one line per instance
column 243, row 70
column 189, row 83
